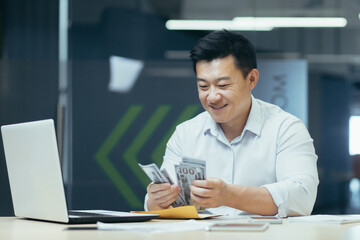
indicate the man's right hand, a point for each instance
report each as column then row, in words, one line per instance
column 162, row 195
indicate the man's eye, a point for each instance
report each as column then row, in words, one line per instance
column 223, row 85
column 203, row 86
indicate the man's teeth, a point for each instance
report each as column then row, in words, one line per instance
column 219, row 107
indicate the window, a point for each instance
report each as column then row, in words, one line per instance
column 354, row 135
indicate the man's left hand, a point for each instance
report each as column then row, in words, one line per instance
column 210, row 193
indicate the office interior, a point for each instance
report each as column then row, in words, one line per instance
column 116, row 78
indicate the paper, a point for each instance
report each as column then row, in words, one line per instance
column 183, row 212
column 190, row 225
column 114, row 213
column 327, row 219
column 124, row 73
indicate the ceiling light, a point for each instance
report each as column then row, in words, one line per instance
column 213, row 25
column 294, row 22
column 257, row 23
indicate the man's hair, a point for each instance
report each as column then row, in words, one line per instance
column 220, row 44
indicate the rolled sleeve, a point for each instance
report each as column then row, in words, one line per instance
column 297, row 178
column 279, row 193
column 294, row 197
column 145, row 203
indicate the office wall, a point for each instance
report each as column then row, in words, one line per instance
column 164, row 94
column 329, row 111
column 28, row 70
column 114, row 130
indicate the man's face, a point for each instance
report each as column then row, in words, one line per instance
column 223, row 91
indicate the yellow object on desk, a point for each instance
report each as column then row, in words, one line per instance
column 183, row 212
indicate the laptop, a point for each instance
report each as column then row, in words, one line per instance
column 35, row 178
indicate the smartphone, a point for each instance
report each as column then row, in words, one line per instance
column 238, row 227
column 265, row 219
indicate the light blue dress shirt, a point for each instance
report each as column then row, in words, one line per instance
column 274, row 151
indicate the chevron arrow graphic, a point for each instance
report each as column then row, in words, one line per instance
column 130, row 154
column 102, row 156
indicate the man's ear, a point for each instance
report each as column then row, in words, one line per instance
column 253, row 78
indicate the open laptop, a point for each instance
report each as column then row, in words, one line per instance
column 35, row 177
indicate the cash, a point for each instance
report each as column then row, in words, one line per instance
column 161, row 176
column 186, row 172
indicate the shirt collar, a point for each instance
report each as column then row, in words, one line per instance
column 255, row 120
column 211, row 126
column 253, row 123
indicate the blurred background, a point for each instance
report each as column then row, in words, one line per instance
column 116, row 78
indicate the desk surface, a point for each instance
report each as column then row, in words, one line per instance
column 17, row 228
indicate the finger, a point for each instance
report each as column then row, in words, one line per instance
column 199, row 191
column 210, row 182
column 157, row 196
column 175, row 186
column 168, row 199
column 156, row 187
column 200, row 183
column 202, row 201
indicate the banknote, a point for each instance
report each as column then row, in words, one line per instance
column 161, row 176
column 180, row 201
column 186, row 172
column 153, row 172
column 200, row 166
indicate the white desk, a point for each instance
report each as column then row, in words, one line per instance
column 15, row 228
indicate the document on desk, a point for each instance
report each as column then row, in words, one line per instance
column 325, row 219
column 183, row 212
column 190, row 225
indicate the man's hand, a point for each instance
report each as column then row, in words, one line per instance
column 210, row 193
column 160, row 196
column 213, row 192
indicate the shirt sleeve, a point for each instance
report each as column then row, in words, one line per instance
column 297, row 179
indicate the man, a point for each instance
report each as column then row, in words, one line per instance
column 259, row 158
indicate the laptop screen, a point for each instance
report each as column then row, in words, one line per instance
column 34, row 170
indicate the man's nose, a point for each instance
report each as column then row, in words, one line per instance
column 213, row 95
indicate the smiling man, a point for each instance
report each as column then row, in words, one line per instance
column 259, row 158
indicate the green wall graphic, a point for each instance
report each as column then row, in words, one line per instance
column 130, row 156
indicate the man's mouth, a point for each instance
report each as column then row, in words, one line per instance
column 218, row 107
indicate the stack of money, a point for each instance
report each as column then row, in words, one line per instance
column 186, row 172
column 161, row 176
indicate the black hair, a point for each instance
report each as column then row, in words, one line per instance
column 220, row 44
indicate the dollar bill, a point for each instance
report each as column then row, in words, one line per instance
column 180, row 201
column 188, row 171
column 199, row 164
column 161, row 176
column 153, row 172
